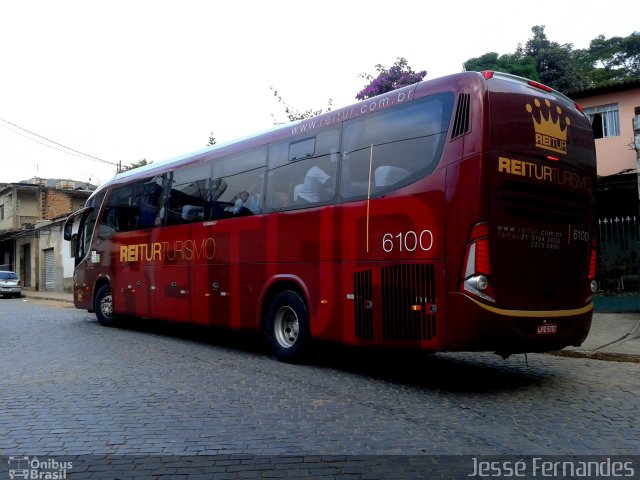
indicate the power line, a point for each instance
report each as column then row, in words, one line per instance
column 67, row 150
column 46, row 145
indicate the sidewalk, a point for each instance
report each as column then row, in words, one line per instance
column 613, row 336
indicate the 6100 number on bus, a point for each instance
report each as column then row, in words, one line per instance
column 407, row 241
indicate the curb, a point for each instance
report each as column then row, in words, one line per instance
column 48, row 298
column 606, row 356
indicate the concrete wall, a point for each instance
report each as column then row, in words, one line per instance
column 43, row 238
column 614, row 153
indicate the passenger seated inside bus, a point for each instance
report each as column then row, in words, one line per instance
column 316, row 186
column 149, row 204
column 192, row 212
column 239, row 202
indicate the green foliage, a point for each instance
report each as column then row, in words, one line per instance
column 293, row 114
column 515, row 63
column 139, row 163
column 611, row 60
column 555, row 63
column 563, row 68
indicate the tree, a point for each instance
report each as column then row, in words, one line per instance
column 515, row 63
column 139, row 163
column 555, row 64
column 293, row 114
column 398, row 75
column 212, row 140
column 611, row 60
column 563, row 68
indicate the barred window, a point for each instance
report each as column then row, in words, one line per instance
column 605, row 120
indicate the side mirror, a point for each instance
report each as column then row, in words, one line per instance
column 68, row 224
column 68, row 231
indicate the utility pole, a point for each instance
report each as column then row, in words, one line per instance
column 636, row 142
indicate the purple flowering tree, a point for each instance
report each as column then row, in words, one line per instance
column 400, row 74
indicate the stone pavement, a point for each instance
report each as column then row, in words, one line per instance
column 613, row 336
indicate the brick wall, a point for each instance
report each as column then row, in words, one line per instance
column 56, row 202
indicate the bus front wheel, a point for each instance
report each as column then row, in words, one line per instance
column 103, row 305
column 287, row 326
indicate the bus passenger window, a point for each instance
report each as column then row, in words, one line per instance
column 122, row 214
column 303, row 172
column 391, row 148
column 148, row 202
column 188, row 195
column 238, row 184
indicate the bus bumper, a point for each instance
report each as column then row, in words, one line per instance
column 82, row 298
column 476, row 326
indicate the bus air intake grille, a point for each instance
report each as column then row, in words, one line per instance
column 408, row 292
column 461, row 122
column 363, row 304
column 543, row 203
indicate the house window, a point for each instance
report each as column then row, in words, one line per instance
column 1, row 212
column 605, row 120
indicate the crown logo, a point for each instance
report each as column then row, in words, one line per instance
column 549, row 133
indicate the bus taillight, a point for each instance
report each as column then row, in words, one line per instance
column 539, row 85
column 477, row 263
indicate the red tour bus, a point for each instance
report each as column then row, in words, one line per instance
column 453, row 214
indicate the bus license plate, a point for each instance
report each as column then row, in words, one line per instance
column 547, row 328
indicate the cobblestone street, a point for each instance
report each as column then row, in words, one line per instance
column 73, row 388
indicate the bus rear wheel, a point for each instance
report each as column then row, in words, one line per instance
column 288, row 326
column 103, row 305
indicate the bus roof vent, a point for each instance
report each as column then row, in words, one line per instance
column 461, row 122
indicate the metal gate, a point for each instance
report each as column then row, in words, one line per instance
column 49, row 269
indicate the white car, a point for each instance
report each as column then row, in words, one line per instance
column 10, row 284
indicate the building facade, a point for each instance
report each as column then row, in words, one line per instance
column 31, row 242
column 611, row 111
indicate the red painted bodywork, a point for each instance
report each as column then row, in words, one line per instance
column 225, row 272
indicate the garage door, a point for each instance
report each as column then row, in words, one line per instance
column 49, row 269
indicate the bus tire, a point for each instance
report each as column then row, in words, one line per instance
column 103, row 306
column 288, row 327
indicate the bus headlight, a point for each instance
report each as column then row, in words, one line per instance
column 594, row 286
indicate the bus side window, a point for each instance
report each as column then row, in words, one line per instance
column 120, row 215
column 390, row 148
column 238, row 184
column 303, row 171
column 188, row 195
column 148, row 202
